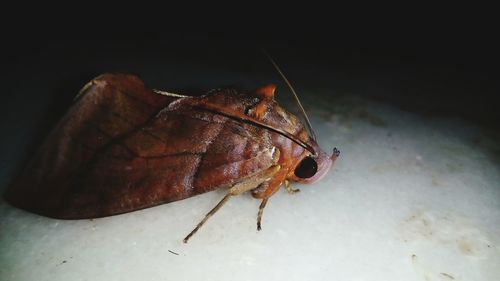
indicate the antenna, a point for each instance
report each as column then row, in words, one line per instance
column 308, row 123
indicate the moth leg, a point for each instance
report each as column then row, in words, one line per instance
column 241, row 187
column 261, row 211
column 208, row 215
column 266, row 190
column 290, row 189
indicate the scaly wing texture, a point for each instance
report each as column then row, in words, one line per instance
column 122, row 148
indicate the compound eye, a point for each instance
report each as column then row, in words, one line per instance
column 306, row 168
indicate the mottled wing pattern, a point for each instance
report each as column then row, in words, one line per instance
column 122, row 148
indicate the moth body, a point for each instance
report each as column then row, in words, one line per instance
column 122, row 147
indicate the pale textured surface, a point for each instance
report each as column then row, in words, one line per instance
column 410, row 198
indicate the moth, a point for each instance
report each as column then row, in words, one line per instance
column 122, row 147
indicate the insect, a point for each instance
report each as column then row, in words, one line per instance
column 122, row 147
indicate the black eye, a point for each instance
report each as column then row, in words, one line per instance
column 306, row 168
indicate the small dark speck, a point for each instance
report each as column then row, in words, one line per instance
column 174, row 253
column 448, row 275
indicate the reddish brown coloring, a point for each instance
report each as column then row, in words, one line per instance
column 122, row 147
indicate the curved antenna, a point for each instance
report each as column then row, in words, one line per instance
column 308, row 123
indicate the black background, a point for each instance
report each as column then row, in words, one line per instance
column 423, row 59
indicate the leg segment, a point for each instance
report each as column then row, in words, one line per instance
column 243, row 186
column 290, row 189
column 266, row 190
column 207, row 216
column 261, row 210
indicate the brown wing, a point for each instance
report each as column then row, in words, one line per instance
column 114, row 153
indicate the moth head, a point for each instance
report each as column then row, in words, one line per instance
column 310, row 168
column 313, row 164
